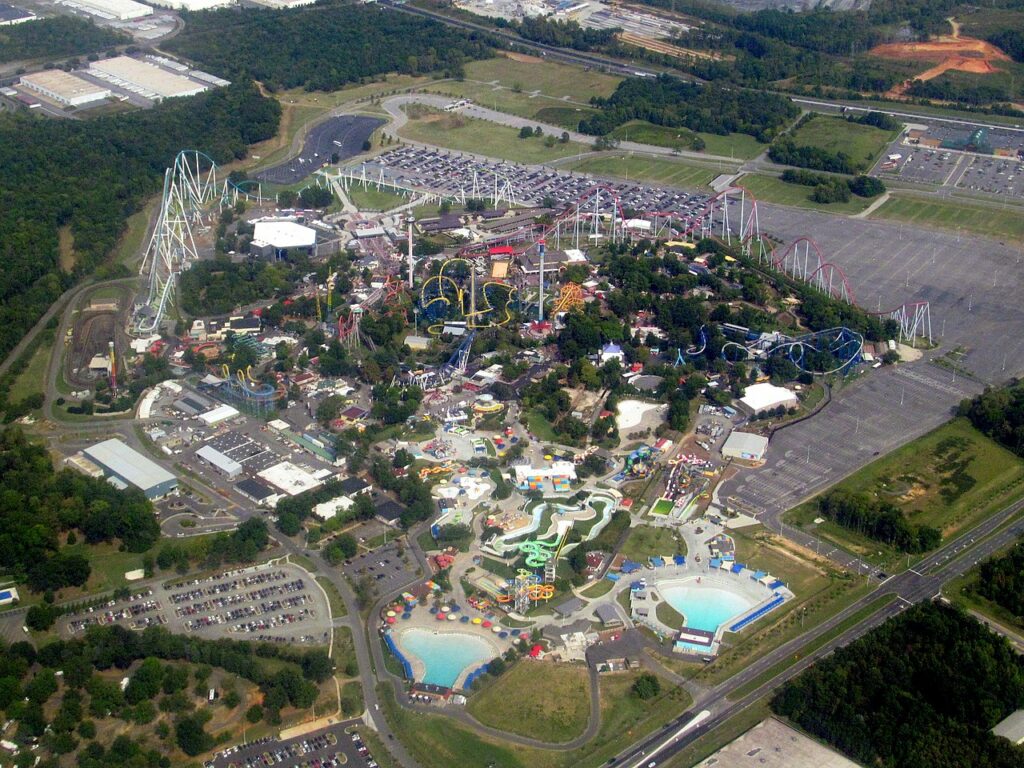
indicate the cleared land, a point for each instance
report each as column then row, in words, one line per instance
column 545, row 701
column 737, row 145
column 950, row 479
column 454, row 131
column 562, row 81
column 373, row 199
column 1001, row 223
column 674, row 173
column 771, row 189
column 30, row 381
column 863, row 143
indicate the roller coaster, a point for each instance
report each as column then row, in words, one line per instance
column 835, row 350
column 446, row 296
column 191, row 187
column 252, row 395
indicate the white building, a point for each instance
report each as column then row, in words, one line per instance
column 218, row 414
column 145, row 79
column 329, row 509
column 193, row 5
column 276, row 238
column 64, row 88
column 760, row 398
column 220, row 461
column 289, row 479
column 745, row 446
column 118, row 10
column 611, row 351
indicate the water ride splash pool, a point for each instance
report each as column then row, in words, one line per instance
column 444, row 655
column 705, row 606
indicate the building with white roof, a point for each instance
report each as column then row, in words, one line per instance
column 289, row 479
column 64, row 88
column 273, row 239
column 218, row 414
column 145, row 79
column 193, row 5
column 759, row 398
column 119, row 10
column 329, row 509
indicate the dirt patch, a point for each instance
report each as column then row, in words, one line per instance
column 66, row 244
column 950, row 52
column 526, row 59
column 650, row 44
column 797, row 553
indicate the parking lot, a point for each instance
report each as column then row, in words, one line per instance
column 992, row 175
column 327, row 748
column 391, row 567
column 342, row 136
column 450, row 173
column 276, row 603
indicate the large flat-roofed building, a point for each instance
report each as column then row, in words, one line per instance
column 1012, row 727
column 759, row 398
column 64, row 88
column 10, row 15
column 273, row 239
column 194, row 5
column 220, row 461
column 745, row 446
column 129, row 467
column 773, row 744
column 120, row 10
column 145, row 79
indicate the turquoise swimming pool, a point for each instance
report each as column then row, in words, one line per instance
column 704, row 606
column 445, row 655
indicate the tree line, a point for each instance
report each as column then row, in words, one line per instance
column 1001, row 580
column 676, row 103
column 323, row 47
column 90, row 175
column 878, row 520
column 56, row 37
column 922, row 690
column 999, row 413
column 39, row 505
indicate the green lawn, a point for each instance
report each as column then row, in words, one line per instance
column 662, row 170
column 952, row 478
column 771, row 189
column 863, row 143
column 374, row 199
column 545, row 701
column 338, row 608
column 1005, row 223
column 541, row 107
column 601, row 588
column 737, row 145
column 540, row 427
column 645, row 541
column 462, row 134
column 668, row 615
column 662, row 507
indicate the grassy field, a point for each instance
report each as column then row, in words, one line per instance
column 1004, row 223
column 30, row 381
column 561, row 81
column 668, row 615
column 770, row 189
column 454, row 131
column 374, row 199
column 338, row 608
column 601, row 588
column 645, row 541
column 951, row 479
column 662, row 170
column 540, row 427
column 737, row 145
column 540, row 107
column 863, row 143
column 662, row 507
column 545, row 701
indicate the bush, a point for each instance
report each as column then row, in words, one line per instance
column 254, row 713
column 647, row 686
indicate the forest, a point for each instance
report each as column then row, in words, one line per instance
column 923, row 690
column 1001, row 580
column 323, row 47
column 878, row 520
column 39, row 504
column 31, row 686
column 676, row 103
column 89, row 176
column 216, row 286
column 55, row 38
column 999, row 413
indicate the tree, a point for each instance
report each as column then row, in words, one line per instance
column 254, row 713
column 191, row 736
column 646, row 686
column 40, row 617
column 317, row 666
column 525, row 132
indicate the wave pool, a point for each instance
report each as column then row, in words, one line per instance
column 705, row 606
column 444, row 655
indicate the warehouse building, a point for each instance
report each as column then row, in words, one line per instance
column 9, row 15
column 118, row 10
column 64, row 88
column 193, row 5
column 145, row 79
column 745, row 446
column 125, row 467
column 760, row 398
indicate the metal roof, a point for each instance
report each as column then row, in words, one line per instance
column 127, row 463
column 221, row 461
